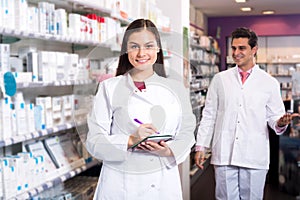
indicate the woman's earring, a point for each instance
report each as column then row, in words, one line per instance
column 158, row 50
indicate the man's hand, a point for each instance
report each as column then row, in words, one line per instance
column 199, row 159
column 286, row 119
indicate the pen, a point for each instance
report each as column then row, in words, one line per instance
column 138, row 121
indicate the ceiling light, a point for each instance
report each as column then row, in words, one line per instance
column 268, row 12
column 246, row 9
column 240, row 1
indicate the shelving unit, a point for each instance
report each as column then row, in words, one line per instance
column 17, row 143
column 59, row 179
column 204, row 61
column 69, row 44
column 283, row 72
column 84, row 48
column 35, row 135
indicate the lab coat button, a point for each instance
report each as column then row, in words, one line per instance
column 152, row 185
column 151, row 159
column 237, row 138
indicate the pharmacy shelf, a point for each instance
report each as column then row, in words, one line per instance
column 37, row 134
column 86, row 6
column 282, row 75
column 57, row 180
column 195, row 90
column 55, row 83
column 11, row 33
column 197, row 46
column 199, row 62
column 203, row 75
column 76, row 5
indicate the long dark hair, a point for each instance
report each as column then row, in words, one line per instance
column 136, row 26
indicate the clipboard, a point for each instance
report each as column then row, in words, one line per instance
column 154, row 138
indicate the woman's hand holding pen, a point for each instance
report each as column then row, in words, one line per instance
column 144, row 130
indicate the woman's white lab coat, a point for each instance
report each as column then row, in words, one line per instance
column 139, row 175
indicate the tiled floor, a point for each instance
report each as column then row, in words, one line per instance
column 273, row 193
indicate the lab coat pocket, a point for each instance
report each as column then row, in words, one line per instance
column 257, row 102
column 256, row 147
column 222, row 143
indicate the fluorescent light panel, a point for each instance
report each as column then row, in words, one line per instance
column 246, row 9
column 268, row 12
column 240, row 1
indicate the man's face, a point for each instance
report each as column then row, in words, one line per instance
column 242, row 53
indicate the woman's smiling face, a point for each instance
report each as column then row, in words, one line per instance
column 142, row 50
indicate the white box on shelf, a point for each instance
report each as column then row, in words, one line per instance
column 20, row 114
column 4, row 58
column 57, row 110
column 62, row 150
column 61, row 22
column 52, row 66
column 47, row 169
column 33, row 19
column 6, row 112
column 71, row 66
column 30, row 117
column 44, row 74
column 15, row 64
column 1, row 182
column 28, row 164
column 74, row 26
column 9, row 179
column 60, row 66
column 23, row 77
column 46, row 102
column 8, row 14
column 39, row 117
column 21, row 9
column 32, row 65
column 18, row 163
column 67, row 108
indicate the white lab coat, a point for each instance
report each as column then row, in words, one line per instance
column 235, row 118
column 137, row 175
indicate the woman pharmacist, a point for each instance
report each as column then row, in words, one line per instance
column 137, row 103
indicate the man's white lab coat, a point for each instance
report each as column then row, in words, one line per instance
column 236, row 115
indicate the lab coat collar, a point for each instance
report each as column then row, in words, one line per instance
column 152, row 78
column 253, row 70
column 142, row 95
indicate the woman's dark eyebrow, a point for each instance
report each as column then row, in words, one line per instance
column 132, row 43
column 150, row 42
